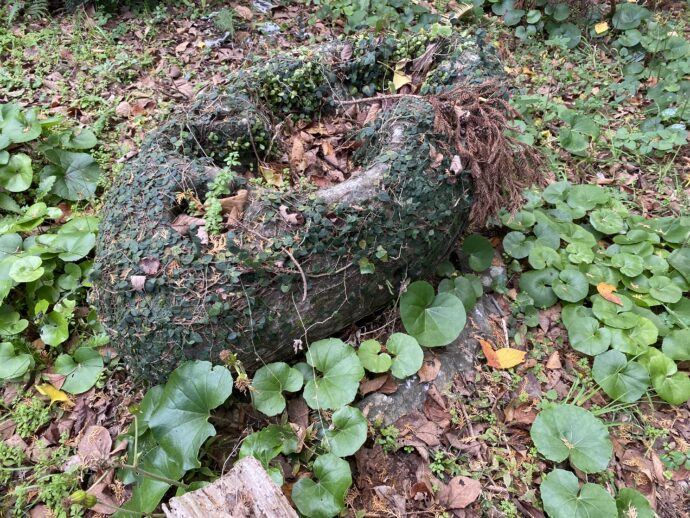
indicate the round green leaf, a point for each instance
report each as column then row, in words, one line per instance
column 11, row 322
column 674, row 389
column 347, row 433
column 372, row 361
column 13, row 365
column 656, row 264
column 571, row 314
column 680, row 260
column 542, row 256
column 607, row 221
column 632, row 504
column 622, row 380
column 563, row 498
column 81, row 370
column 54, row 328
column 628, row 264
column 571, row 432
column 580, row 253
column 17, row 175
column 587, row 337
column 538, row 284
column 664, row 289
column 269, row 383
column 409, row 356
column 547, row 235
column 324, row 498
column 434, row 321
column 76, row 174
column 598, row 273
column 82, row 138
column 467, row 288
column 517, row 245
column 587, row 196
column 676, row 345
column 571, row 285
column 268, row 443
column 521, row 220
column 479, row 251
column 557, row 192
column 75, row 244
column 27, row 269
column 339, row 372
column 629, row 16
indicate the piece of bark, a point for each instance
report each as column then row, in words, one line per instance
column 245, row 491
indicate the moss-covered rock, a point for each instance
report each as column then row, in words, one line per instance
column 354, row 244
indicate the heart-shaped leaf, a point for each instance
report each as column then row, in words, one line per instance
column 13, row 365
column 664, row 289
column 76, row 174
column 269, row 383
column 674, row 388
column 563, row 497
column 571, row 285
column 479, row 252
column 434, row 320
column 628, row 264
column 81, row 370
column 632, row 504
column 408, row 355
column 521, row 220
column 517, row 245
column 622, row 380
column 580, row 252
column 629, row 16
column 17, row 175
column 538, row 285
column 372, row 361
column 557, row 192
column 607, row 221
column 324, row 498
column 571, row 432
column 587, row 337
column 676, row 344
column 340, row 371
column 54, row 328
column 347, row 432
column 542, row 256
column 180, row 421
column 586, row 196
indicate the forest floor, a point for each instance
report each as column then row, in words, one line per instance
column 121, row 75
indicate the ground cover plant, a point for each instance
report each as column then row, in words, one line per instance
column 579, row 403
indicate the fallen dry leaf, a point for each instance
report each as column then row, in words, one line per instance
column 503, row 358
column 182, row 223
column 54, row 394
column 459, row 492
column 94, row 445
column 554, row 361
column 138, row 282
column 606, row 291
column 150, row 265
column 429, row 371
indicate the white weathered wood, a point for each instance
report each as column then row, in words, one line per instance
column 246, row 491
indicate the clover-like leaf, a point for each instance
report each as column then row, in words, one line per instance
column 632, row 504
column 571, row 285
column 538, row 285
column 27, row 269
column 479, row 252
column 607, row 221
column 13, row 365
column 676, row 345
column 324, row 498
column 563, row 497
column 434, row 320
column 269, row 383
column 369, row 354
column 408, row 355
column 347, row 433
column 340, row 371
column 81, row 370
column 570, row 432
column 587, row 337
column 180, row 421
column 517, row 245
column 17, row 175
column 622, row 380
column 664, row 289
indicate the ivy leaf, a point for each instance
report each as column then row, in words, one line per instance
column 479, row 251
column 676, row 344
column 13, row 365
column 340, row 371
column 76, row 174
column 81, row 370
column 17, row 175
column 180, row 421
column 632, row 504
column 538, row 285
column 571, row 285
column 269, row 383
column 621, row 380
column 409, row 356
column 434, row 321
column 326, row 497
column 664, row 289
column 587, row 337
column 571, row 432
column 372, row 361
column 563, row 498
column 348, row 432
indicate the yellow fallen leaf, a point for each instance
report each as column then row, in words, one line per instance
column 606, row 291
column 601, row 27
column 54, row 394
column 400, row 78
column 504, row 358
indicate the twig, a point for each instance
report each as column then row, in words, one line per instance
column 301, row 272
column 382, row 98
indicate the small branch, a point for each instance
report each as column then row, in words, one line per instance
column 301, row 272
column 381, row 98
